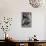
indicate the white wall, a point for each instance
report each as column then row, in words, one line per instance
column 45, row 28
column 13, row 8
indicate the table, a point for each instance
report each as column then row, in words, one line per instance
column 27, row 42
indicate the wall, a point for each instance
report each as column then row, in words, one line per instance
column 45, row 28
column 13, row 8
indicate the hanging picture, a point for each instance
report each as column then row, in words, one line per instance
column 26, row 19
column 36, row 3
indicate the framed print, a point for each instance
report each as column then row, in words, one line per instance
column 37, row 3
column 26, row 19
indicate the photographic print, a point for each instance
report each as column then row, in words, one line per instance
column 36, row 3
column 26, row 19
